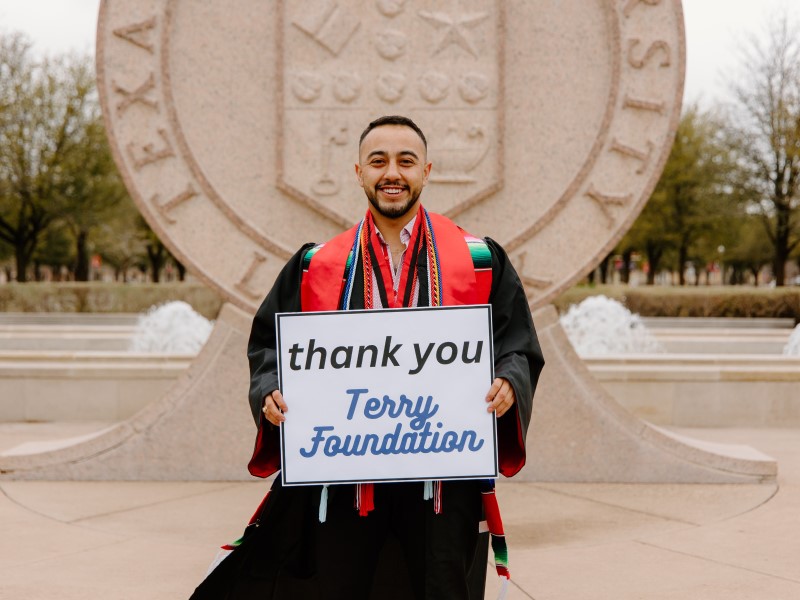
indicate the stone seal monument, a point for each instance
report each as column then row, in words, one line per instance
column 235, row 127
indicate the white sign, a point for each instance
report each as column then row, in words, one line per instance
column 387, row 395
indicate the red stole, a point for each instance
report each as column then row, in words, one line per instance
column 462, row 284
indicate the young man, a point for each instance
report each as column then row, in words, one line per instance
column 387, row 540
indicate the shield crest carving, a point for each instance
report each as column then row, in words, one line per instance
column 340, row 68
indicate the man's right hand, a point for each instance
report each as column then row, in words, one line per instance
column 274, row 407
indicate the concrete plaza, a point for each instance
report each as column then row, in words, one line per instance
column 154, row 540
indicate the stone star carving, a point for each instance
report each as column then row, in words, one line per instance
column 455, row 28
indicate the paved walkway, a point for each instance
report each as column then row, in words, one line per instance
column 81, row 540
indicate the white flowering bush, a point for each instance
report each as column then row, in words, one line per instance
column 173, row 328
column 599, row 326
column 793, row 347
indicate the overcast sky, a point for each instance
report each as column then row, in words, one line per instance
column 713, row 30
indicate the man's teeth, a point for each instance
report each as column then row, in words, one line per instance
column 391, row 191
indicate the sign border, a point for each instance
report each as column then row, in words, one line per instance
column 487, row 307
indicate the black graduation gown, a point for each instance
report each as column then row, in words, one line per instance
column 289, row 554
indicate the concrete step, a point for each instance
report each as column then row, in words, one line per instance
column 85, row 319
column 704, row 391
column 717, row 322
column 83, row 386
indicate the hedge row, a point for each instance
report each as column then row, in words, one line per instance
column 105, row 297
column 691, row 301
column 656, row 301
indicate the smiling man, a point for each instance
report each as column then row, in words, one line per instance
column 387, row 540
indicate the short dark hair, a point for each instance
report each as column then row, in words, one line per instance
column 393, row 120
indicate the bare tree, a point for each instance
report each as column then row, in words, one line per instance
column 693, row 200
column 44, row 107
column 768, row 94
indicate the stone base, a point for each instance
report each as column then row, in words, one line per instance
column 719, row 390
column 64, row 386
column 580, row 433
column 202, row 429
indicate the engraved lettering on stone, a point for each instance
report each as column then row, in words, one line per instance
column 605, row 201
column 130, row 97
column 632, row 4
column 461, row 151
column 455, row 29
column 642, row 104
column 535, row 282
column 167, row 207
column 390, row 8
column 327, row 184
column 390, row 87
column 148, row 152
column 655, row 47
column 243, row 285
column 434, row 87
column 306, row 86
column 643, row 157
column 331, row 26
column 391, row 44
column 473, row 87
column 346, row 87
column 138, row 34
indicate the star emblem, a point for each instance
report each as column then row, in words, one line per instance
column 455, row 28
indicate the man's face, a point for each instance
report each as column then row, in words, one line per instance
column 392, row 168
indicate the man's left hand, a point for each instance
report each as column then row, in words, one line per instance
column 500, row 396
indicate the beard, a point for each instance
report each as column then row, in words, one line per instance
column 392, row 210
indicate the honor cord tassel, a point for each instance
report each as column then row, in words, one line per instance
column 323, row 504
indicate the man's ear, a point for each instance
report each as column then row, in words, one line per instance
column 358, row 175
column 425, row 173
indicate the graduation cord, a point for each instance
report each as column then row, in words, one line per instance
column 433, row 263
column 363, row 250
column 350, row 270
column 496, row 532
column 349, row 279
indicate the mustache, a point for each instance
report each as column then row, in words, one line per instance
column 384, row 184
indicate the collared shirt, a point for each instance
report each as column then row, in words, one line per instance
column 405, row 238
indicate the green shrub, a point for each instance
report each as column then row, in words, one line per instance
column 97, row 297
column 689, row 301
column 648, row 301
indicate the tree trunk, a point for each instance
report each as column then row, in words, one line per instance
column 21, row 260
column 156, row 254
column 181, row 270
column 604, row 269
column 779, row 267
column 625, row 273
column 683, row 254
column 82, row 256
column 654, row 260
column 782, row 233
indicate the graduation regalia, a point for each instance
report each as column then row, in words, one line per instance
column 397, row 545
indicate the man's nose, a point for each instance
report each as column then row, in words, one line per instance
column 392, row 169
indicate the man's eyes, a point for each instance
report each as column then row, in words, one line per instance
column 404, row 162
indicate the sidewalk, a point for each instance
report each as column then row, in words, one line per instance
column 110, row 541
